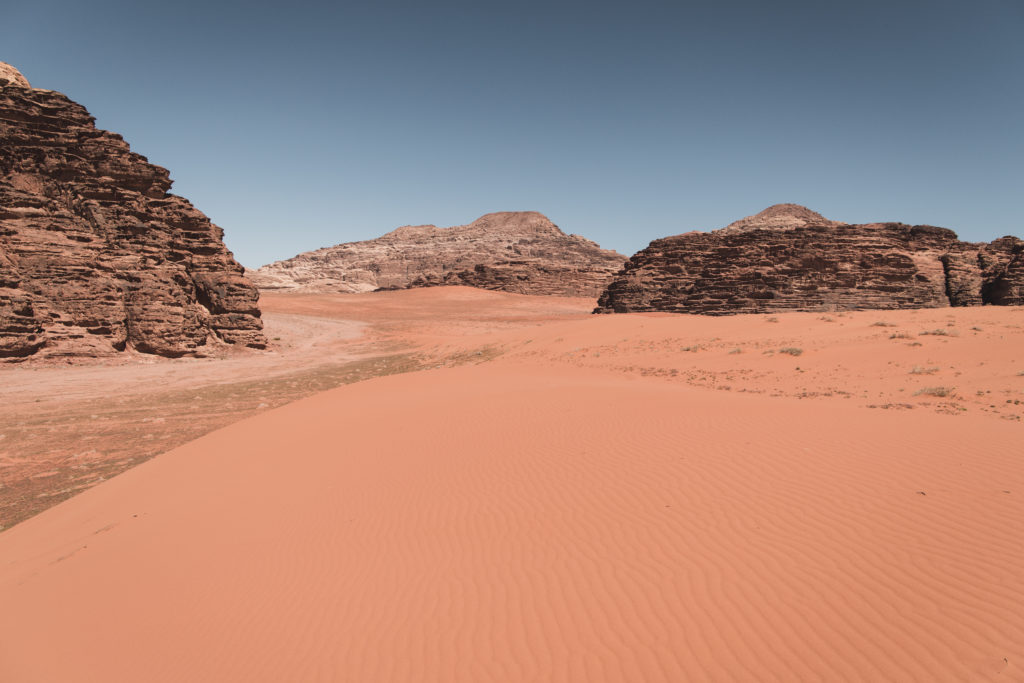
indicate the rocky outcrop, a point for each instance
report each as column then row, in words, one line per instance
column 1002, row 272
column 516, row 251
column 779, row 217
column 96, row 256
column 8, row 74
column 790, row 258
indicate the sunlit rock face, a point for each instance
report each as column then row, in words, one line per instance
column 512, row 251
column 96, row 256
column 11, row 75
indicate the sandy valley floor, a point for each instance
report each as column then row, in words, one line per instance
column 66, row 428
column 532, row 493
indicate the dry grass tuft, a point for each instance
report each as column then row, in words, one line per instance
column 940, row 392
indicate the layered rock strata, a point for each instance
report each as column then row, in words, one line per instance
column 516, row 251
column 96, row 256
column 767, row 263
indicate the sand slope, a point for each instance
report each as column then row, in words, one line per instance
column 64, row 429
column 519, row 521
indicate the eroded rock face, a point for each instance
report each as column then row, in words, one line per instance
column 793, row 261
column 95, row 255
column 11, row 75
column 517, row 251
column 779, row 217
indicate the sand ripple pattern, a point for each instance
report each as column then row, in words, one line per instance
column 497, row 523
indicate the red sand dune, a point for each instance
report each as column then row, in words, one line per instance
column 545, row 517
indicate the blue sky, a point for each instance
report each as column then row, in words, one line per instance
column 305, row 125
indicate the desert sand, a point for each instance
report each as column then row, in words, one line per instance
column 547, row 495
column 65, row 428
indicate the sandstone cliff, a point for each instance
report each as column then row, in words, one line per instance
column 96, row 256
column 518, row 251
column 790, row 258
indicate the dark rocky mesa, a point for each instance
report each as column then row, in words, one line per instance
column 790, row 258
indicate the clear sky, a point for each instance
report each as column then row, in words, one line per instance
column 305, row 124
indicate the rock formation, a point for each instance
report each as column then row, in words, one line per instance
column 516, row 251
column 790, row 258
column 11, row 75
column 95, row 255
column 779, row 217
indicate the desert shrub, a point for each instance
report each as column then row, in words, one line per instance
column 900, row 335
column 791, row 350
column 881, row 323
column 918, row 370
column 940, row 332
column 940, row 392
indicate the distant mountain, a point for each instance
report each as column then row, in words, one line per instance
column 512, row 251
